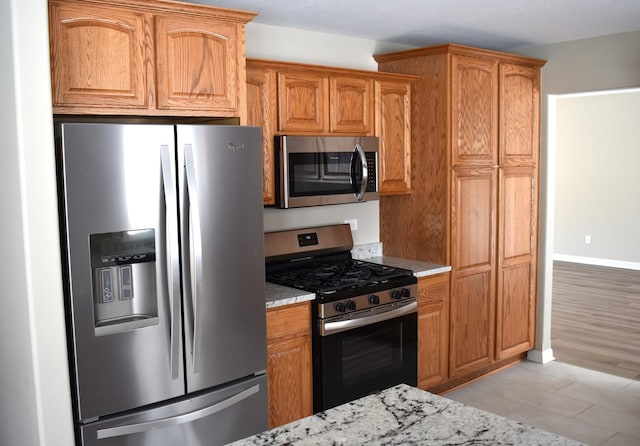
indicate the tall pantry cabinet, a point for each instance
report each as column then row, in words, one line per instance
column 474, row 201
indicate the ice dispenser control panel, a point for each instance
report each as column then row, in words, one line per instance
column 124, row 278
column 113, row 254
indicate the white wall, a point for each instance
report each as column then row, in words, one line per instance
column 292, row 45
column 597, row 182
column 601, row 63
column 35, row 407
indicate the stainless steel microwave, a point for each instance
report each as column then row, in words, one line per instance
column 319, row 170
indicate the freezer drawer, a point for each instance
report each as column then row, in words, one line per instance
column 218, row 417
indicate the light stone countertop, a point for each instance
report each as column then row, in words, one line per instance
column 278, row 295
column 420, row 269
column 404, row 415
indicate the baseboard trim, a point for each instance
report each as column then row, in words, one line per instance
column 541, row 356
column 598, row 262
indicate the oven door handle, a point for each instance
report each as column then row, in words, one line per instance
column 329, row 328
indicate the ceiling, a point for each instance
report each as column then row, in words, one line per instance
column 492, row 24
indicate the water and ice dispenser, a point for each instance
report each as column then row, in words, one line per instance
column 124, row 280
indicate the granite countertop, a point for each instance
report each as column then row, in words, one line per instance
column 405, row 415
column 278, row 295
column 420, row 269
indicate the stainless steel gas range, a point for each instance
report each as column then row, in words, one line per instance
column 364, row 317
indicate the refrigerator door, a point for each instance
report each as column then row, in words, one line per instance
column 208, row 419
column 120, row 229
column 223, row 254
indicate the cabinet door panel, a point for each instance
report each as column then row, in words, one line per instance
column 351, row 105
column 473, row 213
column 108, row 50
column 472, row 323
column 197, row 66
column 433, row 330
column 516, row 261
column 393, row 127
column 289, row 363
column 474, row 111
column 261, row 112
column 289, row 380
column 519, row 115
column 473, row 220
column 302, row 102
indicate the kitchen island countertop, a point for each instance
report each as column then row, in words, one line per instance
column 404, row 415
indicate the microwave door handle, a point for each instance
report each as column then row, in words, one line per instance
column 365, row 172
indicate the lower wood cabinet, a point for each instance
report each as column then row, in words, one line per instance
column 289, row 363
column 433, row 330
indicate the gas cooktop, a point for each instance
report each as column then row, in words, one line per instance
column 332, row 275
column 319, row 260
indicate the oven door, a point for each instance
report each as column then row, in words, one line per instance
column 354, row 362
column 326, row 170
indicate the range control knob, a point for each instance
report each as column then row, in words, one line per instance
column 339, row 306
column 396, row 294
column 351, row 305
column 374, row 299
column 406, row 292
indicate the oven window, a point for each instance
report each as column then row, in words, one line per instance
column 323, row 174
column 361, row 361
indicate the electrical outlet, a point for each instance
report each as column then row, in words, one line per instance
column 353, row 224
column 587, row 239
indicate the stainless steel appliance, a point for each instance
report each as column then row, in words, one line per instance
column 364, row 317
column 164, row 252
column 319, row 170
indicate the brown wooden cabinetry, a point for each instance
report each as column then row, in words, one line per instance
column 137, row 57
column 289, row 363
column 517, row 229
column 393, row 127
column 433, row 330
column 302, row 102
column 474, row 203
column 319, row 100
column 473, row 223
column 261, row 112
column 351, row 105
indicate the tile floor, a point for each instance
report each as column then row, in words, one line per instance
column 588, row 406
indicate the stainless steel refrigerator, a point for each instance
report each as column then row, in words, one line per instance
column 163, row 248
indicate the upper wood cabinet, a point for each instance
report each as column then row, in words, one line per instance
column 351, row 105
column 303, row 104
column 393, row 126
column 519, row 115
column 261, row 112
column 474, row 111
column 153, row 57
column 320, row 103
column 319, row 100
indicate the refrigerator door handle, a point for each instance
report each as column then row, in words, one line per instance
column 194, row 261
column 178, row 419
column 171, row 208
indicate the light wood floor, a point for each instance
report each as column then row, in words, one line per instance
column 595, row 318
